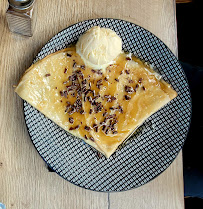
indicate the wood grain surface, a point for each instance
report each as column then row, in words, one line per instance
column 25, row 182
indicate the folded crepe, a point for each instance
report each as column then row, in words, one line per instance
column 102, row 107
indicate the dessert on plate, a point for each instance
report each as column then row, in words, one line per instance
column 94, row 90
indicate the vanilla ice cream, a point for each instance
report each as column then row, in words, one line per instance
column 98, row 47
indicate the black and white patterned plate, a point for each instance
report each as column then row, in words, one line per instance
column 152, row 148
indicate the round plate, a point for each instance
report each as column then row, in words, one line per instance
column 154, row 145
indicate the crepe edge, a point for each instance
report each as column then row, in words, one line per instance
column 168, row 90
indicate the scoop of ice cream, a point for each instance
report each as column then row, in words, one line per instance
column 98, row 47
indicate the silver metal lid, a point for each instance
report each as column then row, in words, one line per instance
column 21, row 4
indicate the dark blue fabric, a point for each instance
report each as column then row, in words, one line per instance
column 193, row 182
column 193, row 149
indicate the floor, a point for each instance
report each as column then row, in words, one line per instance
column 189, row 29
column 193, row 203
column 190, row 45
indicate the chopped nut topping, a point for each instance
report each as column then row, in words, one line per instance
column 98, row 107
column 107, row 130
column 79, row 74
column 106, row 79
column 65, row 94
column 109, row 98
column 87, row 128
column 120, row 109
column 99, row 72
column 74, row 128
column 127, row 71
column 73, row 77
column 92, row 139
column 109, row 124
column 95, row 127
column 140, row 80
column 127, row 97
column 131, row 81
column 82, row 88
column 65, row 71
column 68, row 107
column 136, row 87
column 82, row 67
column 65, row 82
column 129, row 89
column 128, row 58
column 104, row 114
column 74, row 64
column 90, row 111
column 68, row 55
column 99, row 83
column 103, row 127
column 82, row 112
column 71, row 120
column 61, row 93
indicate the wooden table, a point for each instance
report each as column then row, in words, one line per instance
column 25, row 181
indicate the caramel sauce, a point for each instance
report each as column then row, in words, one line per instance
column 106, row 105
column 124, row 72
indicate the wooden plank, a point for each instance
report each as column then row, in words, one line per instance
column 165, row 191
column 24, row 179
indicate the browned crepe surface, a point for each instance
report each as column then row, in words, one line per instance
column 101, row 107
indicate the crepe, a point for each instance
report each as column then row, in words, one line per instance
column 101, row 107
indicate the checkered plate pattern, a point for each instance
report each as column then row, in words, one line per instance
column 148, row 152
